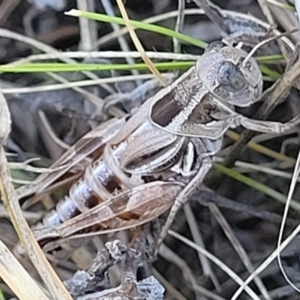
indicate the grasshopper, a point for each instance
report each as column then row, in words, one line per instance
column 152, row 161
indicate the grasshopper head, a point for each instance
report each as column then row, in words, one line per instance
column 224, row 74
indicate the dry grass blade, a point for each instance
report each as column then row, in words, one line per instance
column 284, row 218
column 5, row 120
column 179, row 25
column 6, row 9
column 138, row 44
column 187, row 273
column 262, row 149
column 207, row 269
column 267, row 262
column 17, row 278
column 76, row 84
column 169, row 287
column 238, row 248
column 266, row 11
column 48, row 49
column 218, row 262
column 52, row 282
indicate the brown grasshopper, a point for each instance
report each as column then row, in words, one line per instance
column 154, row 160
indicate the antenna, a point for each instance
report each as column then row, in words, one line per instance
column 259, row 45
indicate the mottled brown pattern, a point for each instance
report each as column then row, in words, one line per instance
column 202, row 112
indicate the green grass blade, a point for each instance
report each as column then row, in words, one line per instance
column 62, row 67
column 139, row 25
column 256, row 185
column 267, row 71
column 275, row 58
column 1, row 295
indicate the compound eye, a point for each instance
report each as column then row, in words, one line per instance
column 231, row 77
